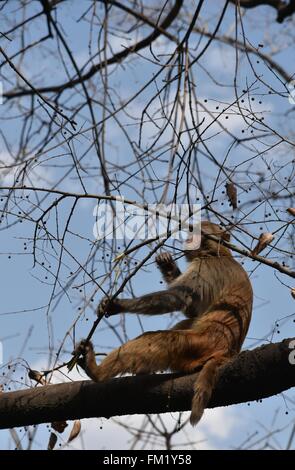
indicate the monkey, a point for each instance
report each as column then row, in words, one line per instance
column 215, row 296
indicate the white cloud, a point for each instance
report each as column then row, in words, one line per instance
column 215, row 430
column 10, row 170
column 7, row 169
column 220, row 422
column 220, row 59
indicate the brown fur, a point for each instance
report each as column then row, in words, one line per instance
column 215, row 295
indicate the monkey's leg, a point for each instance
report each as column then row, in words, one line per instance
column 168, row 267
column 151, row 352
column 204, row 386
column 176, row 298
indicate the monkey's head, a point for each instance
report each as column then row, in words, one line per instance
column 198, row 244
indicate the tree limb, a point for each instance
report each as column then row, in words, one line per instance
column 283, row 8
column 253, row 375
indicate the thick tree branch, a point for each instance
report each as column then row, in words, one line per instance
column 253, row 375
column 284, row 8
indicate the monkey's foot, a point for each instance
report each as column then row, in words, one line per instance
column 83, row 349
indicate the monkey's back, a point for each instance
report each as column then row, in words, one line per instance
column 219, row 297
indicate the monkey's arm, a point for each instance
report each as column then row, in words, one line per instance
column 168, row 267
column 150, row 304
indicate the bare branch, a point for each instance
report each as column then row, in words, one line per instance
column 283, row 8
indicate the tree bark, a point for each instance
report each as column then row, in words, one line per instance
column 253, row 375
column 284, row 8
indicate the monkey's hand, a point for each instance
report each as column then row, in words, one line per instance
column 167, row 266
column 109, row 307
column 164, row 260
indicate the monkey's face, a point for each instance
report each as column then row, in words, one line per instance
column 198, row 243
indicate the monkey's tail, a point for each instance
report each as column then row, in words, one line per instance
column 204, row 387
